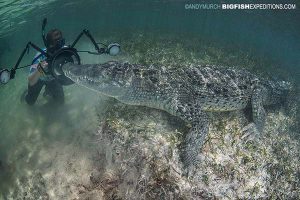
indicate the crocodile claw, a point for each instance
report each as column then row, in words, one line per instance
column 250, row 132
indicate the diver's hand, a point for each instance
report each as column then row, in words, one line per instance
column 44, row 65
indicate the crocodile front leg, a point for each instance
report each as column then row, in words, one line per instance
column 195, row 138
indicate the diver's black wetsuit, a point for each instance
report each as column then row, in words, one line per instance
column 53, row 41
column 53, row 88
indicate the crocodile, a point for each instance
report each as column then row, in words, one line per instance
column 186, row 92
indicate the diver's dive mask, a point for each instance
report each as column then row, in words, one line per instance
column 59, row 43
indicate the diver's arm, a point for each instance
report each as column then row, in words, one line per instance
column 34, row 76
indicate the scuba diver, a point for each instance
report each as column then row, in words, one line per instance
column 37, row 77
column 46, row 67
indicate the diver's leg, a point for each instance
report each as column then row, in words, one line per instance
column 56, row 90
column 33, row 92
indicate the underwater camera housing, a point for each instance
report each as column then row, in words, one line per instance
column 61, row 57
column 57, row 59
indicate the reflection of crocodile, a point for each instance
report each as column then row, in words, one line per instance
column 186, row 92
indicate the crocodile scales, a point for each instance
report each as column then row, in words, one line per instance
column 186, row 92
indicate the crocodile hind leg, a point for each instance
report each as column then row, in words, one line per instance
column 258, row 114
column 258, row 111
column 195, row 138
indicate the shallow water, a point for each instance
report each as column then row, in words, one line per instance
column 48, row 140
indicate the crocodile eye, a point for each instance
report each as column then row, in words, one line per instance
column 242, row 87
column 153, row 79
column 118, row 69
column 136, row 72
column 217, row 91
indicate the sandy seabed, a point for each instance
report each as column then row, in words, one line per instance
column 129, row 152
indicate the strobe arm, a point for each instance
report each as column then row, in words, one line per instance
column 26, row 49
column 88, row 34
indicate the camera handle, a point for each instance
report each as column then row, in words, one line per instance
column 26, row 49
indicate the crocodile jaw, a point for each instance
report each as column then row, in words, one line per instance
column 93, row 77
